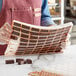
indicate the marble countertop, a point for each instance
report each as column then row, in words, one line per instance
column 63, row 63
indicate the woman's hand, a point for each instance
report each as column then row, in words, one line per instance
column 12, row 47
column 5, row 32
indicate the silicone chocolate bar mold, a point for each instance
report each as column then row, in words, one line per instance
column 37, row 39
column 43, row 73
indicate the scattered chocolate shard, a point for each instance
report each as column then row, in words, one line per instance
column 9, row 61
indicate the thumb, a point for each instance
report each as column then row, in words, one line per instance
column 12, row 47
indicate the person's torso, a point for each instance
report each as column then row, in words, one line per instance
column 28, row 11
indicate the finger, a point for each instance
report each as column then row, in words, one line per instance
column 4, row 40
column 12, row 46
column 7, row 30
column 68, row 42
column 68, row 37
column 5, row 33
column 7, row 27
column 5, row 36
column 63, row 45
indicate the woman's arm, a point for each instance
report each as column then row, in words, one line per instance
column 46, row 18
column 0, row 5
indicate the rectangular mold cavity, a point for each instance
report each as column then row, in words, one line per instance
column 25, row 27
column 21, row 44
column 25, row 31
column 14, row 37
column 40, row 43
column 43, row 34
column 32, row 44
column 19, row 53
column 44, row 31
column 15, row 33
column 33, row 41
column 42, row 37
column 23, row 40
column 35, row 30
column 20, row 48
column 17, row 24
column 15, row 28
column 33, row 37
column 24, row 35
column 34, row 33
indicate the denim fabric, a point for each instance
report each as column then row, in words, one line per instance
column 0, row 4
column 46, row 18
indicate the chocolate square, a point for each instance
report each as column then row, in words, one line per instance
column 20, row 62
column 28, row 61
column 9, row 61
column 19, row 59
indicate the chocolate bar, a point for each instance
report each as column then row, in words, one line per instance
column 24, row 62
column 37, row 39
column 9, row 61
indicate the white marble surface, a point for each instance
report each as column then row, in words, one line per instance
column 64, row 63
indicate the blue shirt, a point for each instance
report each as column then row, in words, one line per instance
column 46, row 18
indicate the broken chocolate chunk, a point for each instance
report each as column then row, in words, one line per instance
column 20, row 62
column 28, row 61
column 17, row 60
column 24, row 62
column 9, row 61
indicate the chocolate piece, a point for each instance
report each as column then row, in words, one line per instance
column 28, row 61
column 9, row 61
column 24, row 62
column 20, row 62
column 17, row 60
